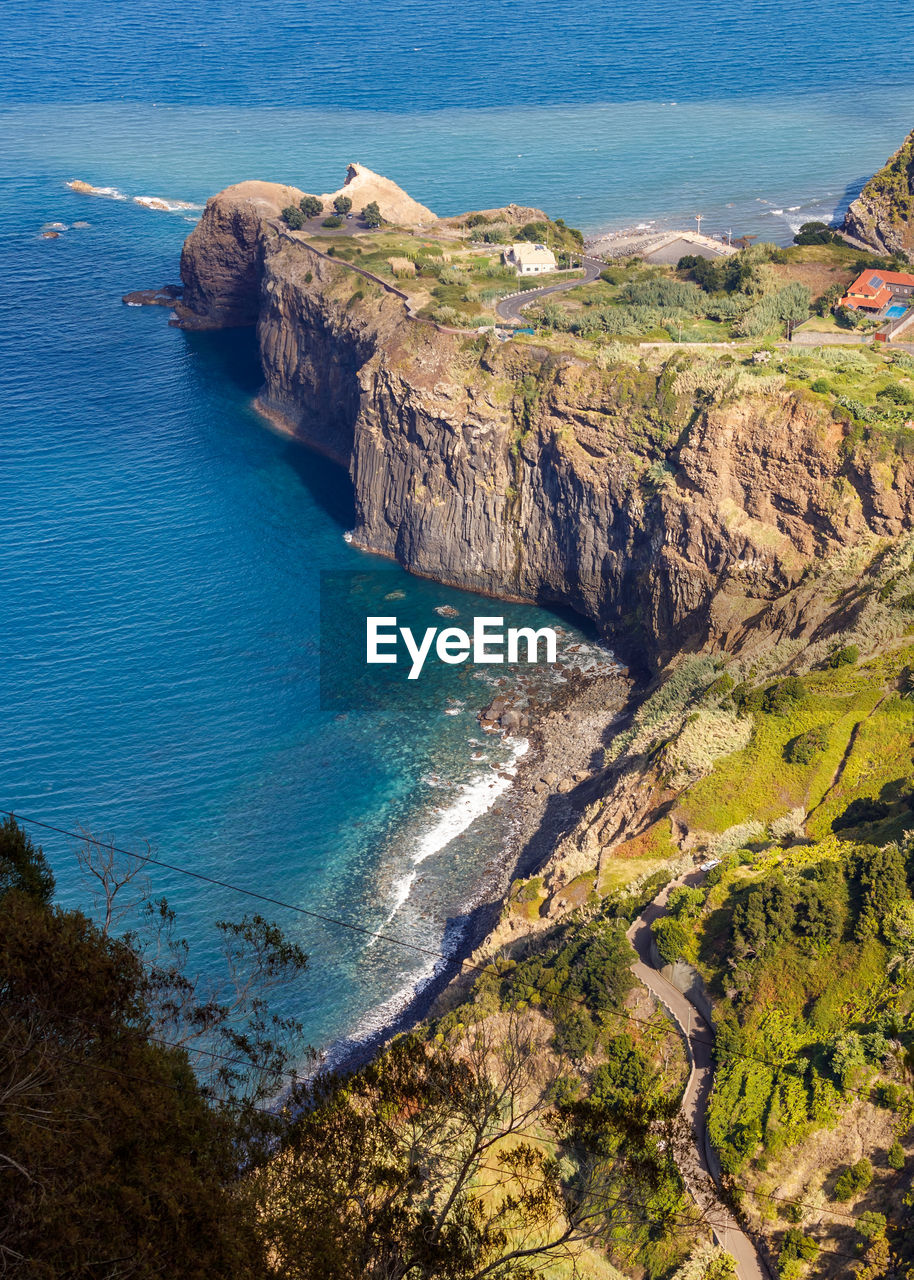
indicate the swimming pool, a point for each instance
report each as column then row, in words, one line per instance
column 895, row 310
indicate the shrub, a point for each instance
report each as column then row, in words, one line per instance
column 779, row 699
column 371, row 214
column 790, row 826
column 720, row 687
column 821, row 385
column 806, row 746
column 855, row 1178
column 895, row 1156
column 672, row 941
column 293, row 218
column 333, row 221
column 844, row 657
column 890, row 1096
column 797, row 1247
column 310, row 206
column 342, row 204
column 896, row 393
column 529, row 890
column 738, row 836
column 476, row 220
column 815, row 233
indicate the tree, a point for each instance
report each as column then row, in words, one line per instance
column 854, row 1179
column 816, row 233
column 882, row 876
column 342, row 204
column 22, row 866
column 422, row 1165
column 311, row 207
column 371, row 214
column 116, row 1158
column 672, row 940
column 708, row 1262
column 293, row 218
column 804, row 748
column 113, row 1162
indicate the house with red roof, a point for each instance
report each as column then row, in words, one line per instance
column 874, row 289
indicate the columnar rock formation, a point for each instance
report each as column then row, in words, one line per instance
column 638, row 497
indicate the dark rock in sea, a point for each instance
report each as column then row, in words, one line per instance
column 167, row 296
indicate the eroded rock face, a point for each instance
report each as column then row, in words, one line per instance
column 525, row 474
column 362, row 186
column 222, row 259
column 881, row 215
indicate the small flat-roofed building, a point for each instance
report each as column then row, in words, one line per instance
column 874, row 289
column 530, row 259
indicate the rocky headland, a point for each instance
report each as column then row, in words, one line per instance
column 674, row 506
column 881, row 216
column 744, row 538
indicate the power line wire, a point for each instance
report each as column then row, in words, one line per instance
column 401, row 942
column 82, row 837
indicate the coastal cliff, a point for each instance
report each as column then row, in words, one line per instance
column 671, row 503
column 881, row 215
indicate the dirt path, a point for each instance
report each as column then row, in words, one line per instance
column 699, row 1037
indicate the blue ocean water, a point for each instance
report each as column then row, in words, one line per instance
column 160, row 546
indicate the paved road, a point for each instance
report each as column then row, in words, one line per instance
column 510, row 309
column 699, row 1036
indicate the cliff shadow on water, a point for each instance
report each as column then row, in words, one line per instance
column 226, row 363
column 226, row 360
column 326, row 481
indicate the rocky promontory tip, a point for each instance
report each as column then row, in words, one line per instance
column 882, row 216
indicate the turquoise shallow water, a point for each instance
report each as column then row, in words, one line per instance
column 160, row 546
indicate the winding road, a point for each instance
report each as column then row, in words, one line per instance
column 699, row 1037
column 510, row 309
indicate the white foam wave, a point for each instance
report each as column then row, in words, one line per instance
column 158, row 203
column 87, row 189
column 473, row 799
column 165, row 206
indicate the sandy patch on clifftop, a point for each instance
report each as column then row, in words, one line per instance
column 362, row 186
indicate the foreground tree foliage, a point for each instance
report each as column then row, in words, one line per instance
column 112, row 1161
column 134, row 1141
column 450, row 1161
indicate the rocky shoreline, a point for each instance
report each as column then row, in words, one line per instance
column 567, row 737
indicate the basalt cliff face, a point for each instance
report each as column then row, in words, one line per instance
column 882, row 214
column 663, row 512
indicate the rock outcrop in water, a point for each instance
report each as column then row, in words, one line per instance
column 633, row 495
column 883, row 213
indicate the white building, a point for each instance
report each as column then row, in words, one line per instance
column 529, row 259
